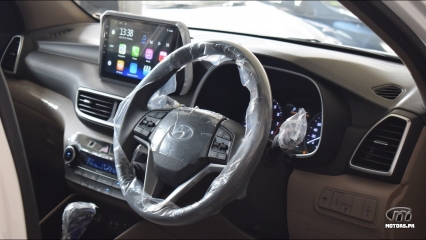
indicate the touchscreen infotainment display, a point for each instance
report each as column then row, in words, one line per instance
column 132, row 48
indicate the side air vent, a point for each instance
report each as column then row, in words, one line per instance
column 378, row 152
column 10, row 59
column 55, row 34
column 97, row 106
column 388, row 91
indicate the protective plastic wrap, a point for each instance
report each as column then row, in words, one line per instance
column 233, row 179
column 293, row 130
column 75, row 219
column 160, row 99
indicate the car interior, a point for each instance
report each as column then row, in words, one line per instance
column 187, row 141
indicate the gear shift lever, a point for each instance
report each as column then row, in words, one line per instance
column 76, row 217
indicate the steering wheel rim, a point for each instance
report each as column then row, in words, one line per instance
column 234, row 177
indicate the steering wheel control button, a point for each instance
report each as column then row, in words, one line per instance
column 148, row 123
column 325, row 199
column 161, row 114
column 336, row 202
column 221, row 156
column 212, row 155
column 145, row 132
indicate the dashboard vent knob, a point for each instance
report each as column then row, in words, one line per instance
column 380, row 148
column 10, row 59
column 388, row 91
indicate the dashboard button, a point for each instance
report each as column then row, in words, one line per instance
column 107, row 190
column 85, row 183
column 347, row 199
column 336, row 201
column 78, row 171
column 345, row 210
column 357, row 205
column 105, row 180
column 325, row 199
column 116, row 184
column 369, row 210
column 90, row 175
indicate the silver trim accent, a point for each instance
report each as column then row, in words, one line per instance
column 18, row 54
column 381, row 142
column 88, row 117
column 322, row 107
column 73, row 154
column 398, row 151
column 184, row 32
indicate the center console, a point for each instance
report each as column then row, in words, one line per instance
column 90, row 163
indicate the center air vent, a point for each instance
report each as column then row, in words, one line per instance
column 97, row 106
column 9, row 61
column 389, row 91
column 379, row 150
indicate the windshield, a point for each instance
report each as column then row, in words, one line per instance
column 325, row 22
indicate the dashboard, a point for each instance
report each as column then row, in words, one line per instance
column 58, row 74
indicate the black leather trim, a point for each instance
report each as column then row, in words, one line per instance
column 13, row 134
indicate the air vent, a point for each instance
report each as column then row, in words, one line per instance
column 9, row 61
column 380, row 148
column 97, row 106
column 55, row 34
column 389, row 91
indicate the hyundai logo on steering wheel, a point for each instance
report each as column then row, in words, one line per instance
column 181, row 132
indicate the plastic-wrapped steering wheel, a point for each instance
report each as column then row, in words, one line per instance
column 185, row 144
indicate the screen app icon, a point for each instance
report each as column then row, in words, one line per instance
column 162, row 55
column 120, row 65
column 122, row 48
column 146, row 70
column 133, row 68
column 148, row 53
column 135, row 51
column 144, row 39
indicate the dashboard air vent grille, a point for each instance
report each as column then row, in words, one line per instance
column 95, row 105
column 55, row 34
column 9, row 61
column 379, row 149
column 389, row 91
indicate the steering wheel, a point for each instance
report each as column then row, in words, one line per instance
column 185, row 144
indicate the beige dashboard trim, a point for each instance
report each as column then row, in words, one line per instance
column 305, row 215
